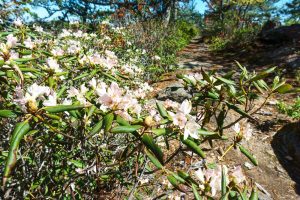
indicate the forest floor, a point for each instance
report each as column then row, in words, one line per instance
column 275, row 173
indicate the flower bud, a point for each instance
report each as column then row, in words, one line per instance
column 31, row 106
column 149, row 121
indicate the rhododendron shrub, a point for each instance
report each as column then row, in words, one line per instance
column 76, row 121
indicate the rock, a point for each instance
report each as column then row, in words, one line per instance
column 286, row 145
column 281, row 34
column 174, row 92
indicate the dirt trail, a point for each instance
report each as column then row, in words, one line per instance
column 269, row 174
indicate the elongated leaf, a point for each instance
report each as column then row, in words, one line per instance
column 285, row 88
column 186, row 176
column 248, row 155
column 205, row 76
column 262, row 74
column 20, row 130
column 226, row 81
column 238, row 110
column 154, row 160
column 254, row 194
column 96, row 128
column 23, row 60
column 122, row 121
column 180, row 179
column 196, row 194
column 125, row 129
column 194, row 147
column 150, row 144
column 173, row 181
column 206, row 133
column 108, row 120
column 62, row 108
column 162, row 110
column 223, row 184
column 7, row 114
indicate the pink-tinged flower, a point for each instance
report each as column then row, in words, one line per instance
column 124, row 115
column 52, row 64
column 79, row 94
column 28, row 43
column 51, row 101
column 67, row 101
column 191, row 129
column 213, row 177
column 185, row 107
column 35, row 91
column 18, row 22
column 171, row 104
column 93, row 83
column 179, row 119
column 11, row 41
column 57, row 52
column 112, row 97
column 238, row 175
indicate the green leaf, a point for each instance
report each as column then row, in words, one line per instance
column 206, row 133
column 108, row 120
column 122, row 121
column 150, row 144
column 96, row 128
column 20, row 130
column 173, row 181
column 154, row 160
column 23, row 60
column 62, row 108
column 223, row 182
column 162, row 131
column 248, row 155
column 162, row 110
column 196, row 194
column 125, row 129
column 262, row 74
column 205, row 76
column 238, row 110
column 285, row 88
column 194, row 147
column 7, row 114
column 254, row 194
column 226, row 81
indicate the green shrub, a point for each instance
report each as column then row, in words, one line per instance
column 292, row 110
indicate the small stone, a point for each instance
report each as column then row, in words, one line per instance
column 248, row 165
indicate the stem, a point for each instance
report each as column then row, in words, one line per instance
column 227, row 150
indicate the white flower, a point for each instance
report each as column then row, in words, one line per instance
column 200, row 175
column 191, row 129
column 156, row 57
column 236, row 128
column 185, row 107
column 28, row 43
column 18, row 22
column 52, row 100
column 238, row 175
column 248, row 132
column 179, row 119
column 11, row 41
column 93, row 83
column 52, row 64
column 35, row 91
column 67, row 102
